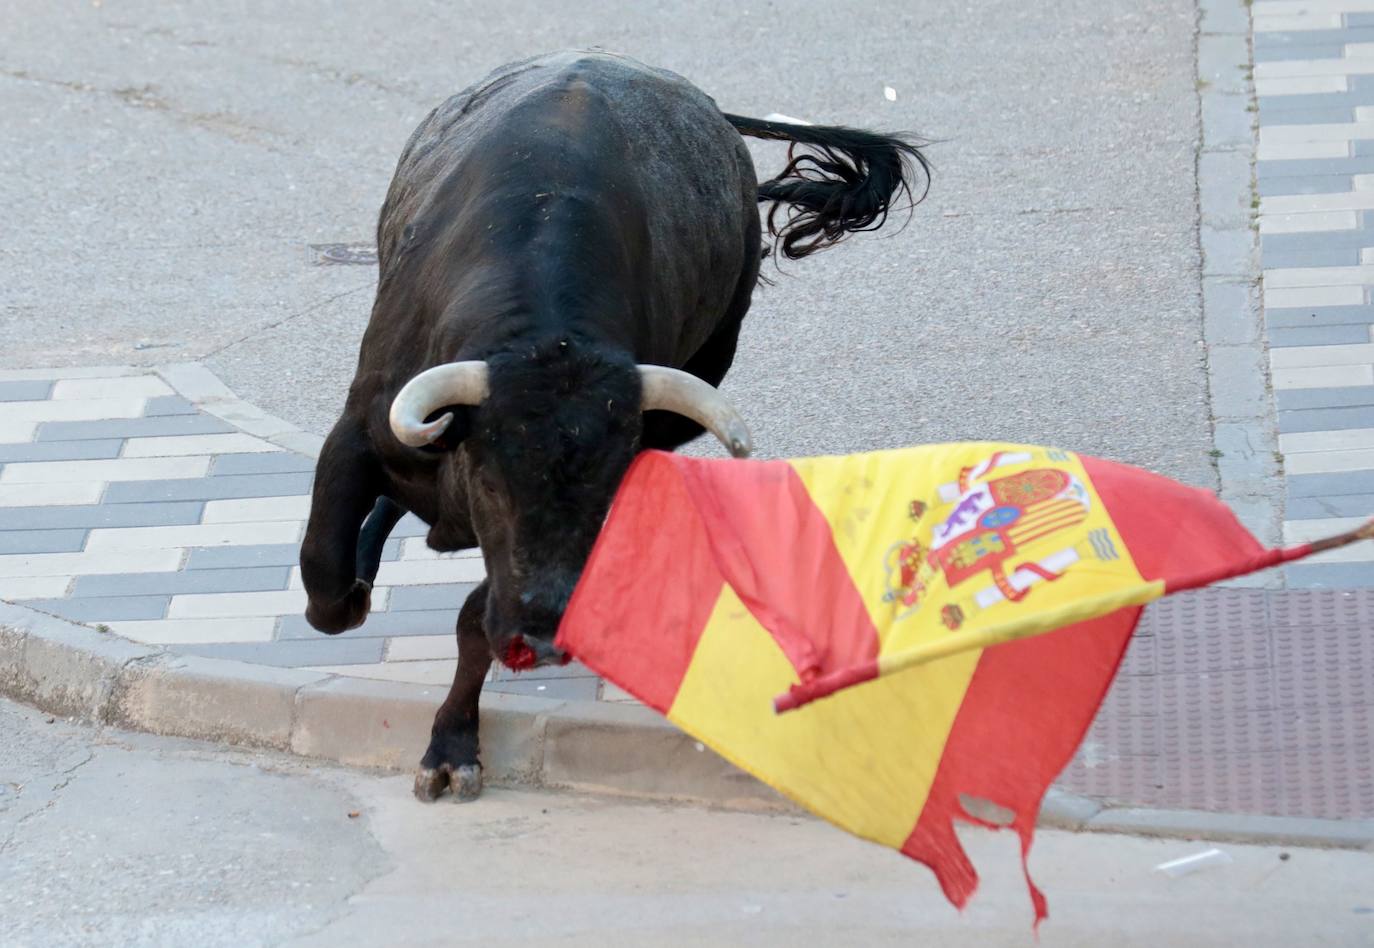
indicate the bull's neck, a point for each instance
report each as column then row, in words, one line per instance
column 551, row 263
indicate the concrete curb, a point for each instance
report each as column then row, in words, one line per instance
column 625, row 750
column 1244, row 432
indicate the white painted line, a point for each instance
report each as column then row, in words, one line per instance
column 1297, row 23
column 1314, row 296
column 1323, row 376
column 257, row 509
column 420, row 673
column 77, row 409
column 430, row 572
column 1329, row 462
column 34, row 587
column 1299, row 7
column 183, row 445
column 1316, row 203
column 138, row 386
column 237, row 604
column 419, row 648
column 83, row 372
column 17, row 432
column 197, row 631
column 113, row 469
column 1299, row 357
column 1301, row 85
column 1308, row 223
column 1291, row 68
column 193, row 535
column 1289, row 151
column 50, row 495
column 91, row 564
column 1346, row 439
column 1318, row 276
column 1304, row 531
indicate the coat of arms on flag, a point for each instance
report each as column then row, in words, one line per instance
column 907, row 589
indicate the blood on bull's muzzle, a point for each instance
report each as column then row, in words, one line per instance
column 523, row 653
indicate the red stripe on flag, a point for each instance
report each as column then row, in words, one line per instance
column 776, row 548
column 1025, row 712
column 1174, row 532
column 649, row 586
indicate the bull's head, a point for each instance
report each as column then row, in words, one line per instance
column 546, row 438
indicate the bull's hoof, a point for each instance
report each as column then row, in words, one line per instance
column 465, row 781
column 347, row 613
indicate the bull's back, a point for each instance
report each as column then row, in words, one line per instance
column 651, row 131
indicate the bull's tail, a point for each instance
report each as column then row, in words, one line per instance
column 845, row 182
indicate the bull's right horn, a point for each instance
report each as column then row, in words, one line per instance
column 454, row 383
column 677, row 391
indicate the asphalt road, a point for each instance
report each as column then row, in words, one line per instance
column 166, row 166
column 110, row 838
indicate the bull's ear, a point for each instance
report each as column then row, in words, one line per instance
column 457, row 430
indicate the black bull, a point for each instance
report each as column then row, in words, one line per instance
column 551, row 236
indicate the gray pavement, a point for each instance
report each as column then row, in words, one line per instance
column 115, row 838
column 170, row 165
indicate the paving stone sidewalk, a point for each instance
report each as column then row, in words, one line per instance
column 1314, row 79
column 123, row 504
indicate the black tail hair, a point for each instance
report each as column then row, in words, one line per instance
column 844, row 183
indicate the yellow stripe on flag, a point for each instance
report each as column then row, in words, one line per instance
column 865, row 758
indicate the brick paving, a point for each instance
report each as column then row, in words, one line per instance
column 1314, row 80
column 125, row 505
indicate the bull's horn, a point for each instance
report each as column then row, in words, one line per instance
column 673, row 390
column 455, row 383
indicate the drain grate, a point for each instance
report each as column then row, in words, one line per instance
column 329, row 254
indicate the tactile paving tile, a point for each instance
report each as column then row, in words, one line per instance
column 1326, row 728
column 1320, row 608
column 1323, row 667
column 1329, row 783
column 1139, row 658
column 1326, row 645
column 1199, row 608
column 1216, row 693
column 1208, row 636
column 1137, row 780
column 1197, row 732
column 1242, row 783
column 1131, row 695
column 1132, row 735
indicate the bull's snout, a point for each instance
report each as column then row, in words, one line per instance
column 525, row 652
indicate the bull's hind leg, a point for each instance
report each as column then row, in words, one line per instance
column 451, row 760
column 348, row 481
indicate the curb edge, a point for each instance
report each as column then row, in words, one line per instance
column 620, row 750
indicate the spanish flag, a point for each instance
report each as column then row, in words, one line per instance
column 908, row 589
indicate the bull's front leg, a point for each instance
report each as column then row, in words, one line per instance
column 451, row 760
column 348, row 481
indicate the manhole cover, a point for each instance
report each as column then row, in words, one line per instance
column 325, row 254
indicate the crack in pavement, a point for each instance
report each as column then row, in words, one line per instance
column 146, row 97
column 68, row 774
column 257, row 332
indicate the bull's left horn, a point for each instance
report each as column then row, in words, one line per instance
column 673, row 390
column 455, row 383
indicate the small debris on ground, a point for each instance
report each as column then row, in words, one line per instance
column 1187, row 865
column 889, row 93
column 354, row 814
